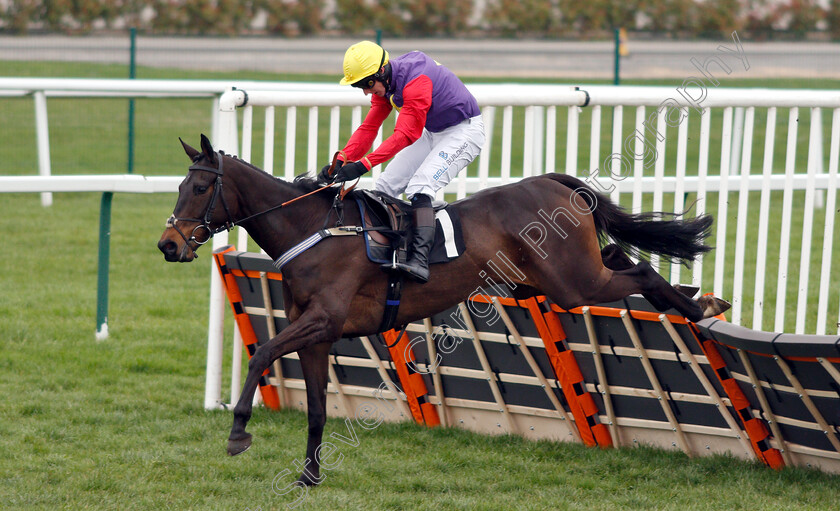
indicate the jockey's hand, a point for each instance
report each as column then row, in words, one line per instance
column 324, row 175
column 350, row 171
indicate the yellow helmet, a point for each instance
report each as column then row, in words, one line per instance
column 363, row 60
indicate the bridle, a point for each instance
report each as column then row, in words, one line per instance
column 204, row 223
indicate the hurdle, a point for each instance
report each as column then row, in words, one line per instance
column 615, row 374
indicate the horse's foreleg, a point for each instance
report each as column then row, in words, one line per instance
column 314, row 361
column 308, row 330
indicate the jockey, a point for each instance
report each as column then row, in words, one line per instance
column 438, row 132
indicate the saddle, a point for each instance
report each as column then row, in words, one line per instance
column 387, row 223
column 386, row 228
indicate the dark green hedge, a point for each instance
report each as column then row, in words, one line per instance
column 536, row 18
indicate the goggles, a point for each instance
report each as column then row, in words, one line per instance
column 365, row 83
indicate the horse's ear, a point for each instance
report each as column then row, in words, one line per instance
column 190, row 150
column 207, row 148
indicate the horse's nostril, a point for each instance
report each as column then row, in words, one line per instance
column 168, row 247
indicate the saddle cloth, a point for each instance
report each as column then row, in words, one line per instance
column 379, row 210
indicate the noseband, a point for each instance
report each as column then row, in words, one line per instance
column 204, row 223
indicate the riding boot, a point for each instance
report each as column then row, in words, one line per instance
column 417, row 266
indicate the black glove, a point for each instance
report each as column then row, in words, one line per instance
column 350, row 171
column 324, row 175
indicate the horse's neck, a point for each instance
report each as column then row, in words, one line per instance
column 279, row 230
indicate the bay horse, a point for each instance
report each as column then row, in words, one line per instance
column 333, row 290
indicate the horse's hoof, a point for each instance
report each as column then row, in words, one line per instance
column 687, row 290
column 712, row 305
column 239, row 445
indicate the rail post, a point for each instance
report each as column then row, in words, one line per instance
column 616, row 56
column 43, row 134
column 104, row 263
column 132, row 73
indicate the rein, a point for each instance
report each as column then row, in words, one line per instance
column 341, row 194
column 273, row 208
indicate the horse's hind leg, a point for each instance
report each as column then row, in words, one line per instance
column 642, row 278
column 589, row 284
column 614, row 258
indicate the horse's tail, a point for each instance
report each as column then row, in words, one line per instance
column 680, row 240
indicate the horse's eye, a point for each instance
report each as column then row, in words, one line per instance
column 200, row 189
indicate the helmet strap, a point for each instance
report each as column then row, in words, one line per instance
column 379, row 71
column 385, row 75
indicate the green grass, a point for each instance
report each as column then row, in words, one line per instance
column 119, row 424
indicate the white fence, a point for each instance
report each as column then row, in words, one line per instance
column 40, row 89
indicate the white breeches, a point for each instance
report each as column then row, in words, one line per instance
column 434, row 160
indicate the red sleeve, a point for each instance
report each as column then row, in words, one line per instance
column 417, row 99
column 362, row 138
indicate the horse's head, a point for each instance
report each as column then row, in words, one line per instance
column 201, row 210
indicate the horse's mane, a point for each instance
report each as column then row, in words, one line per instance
column 307, row 183
column 246, row 163
column 304, row 182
